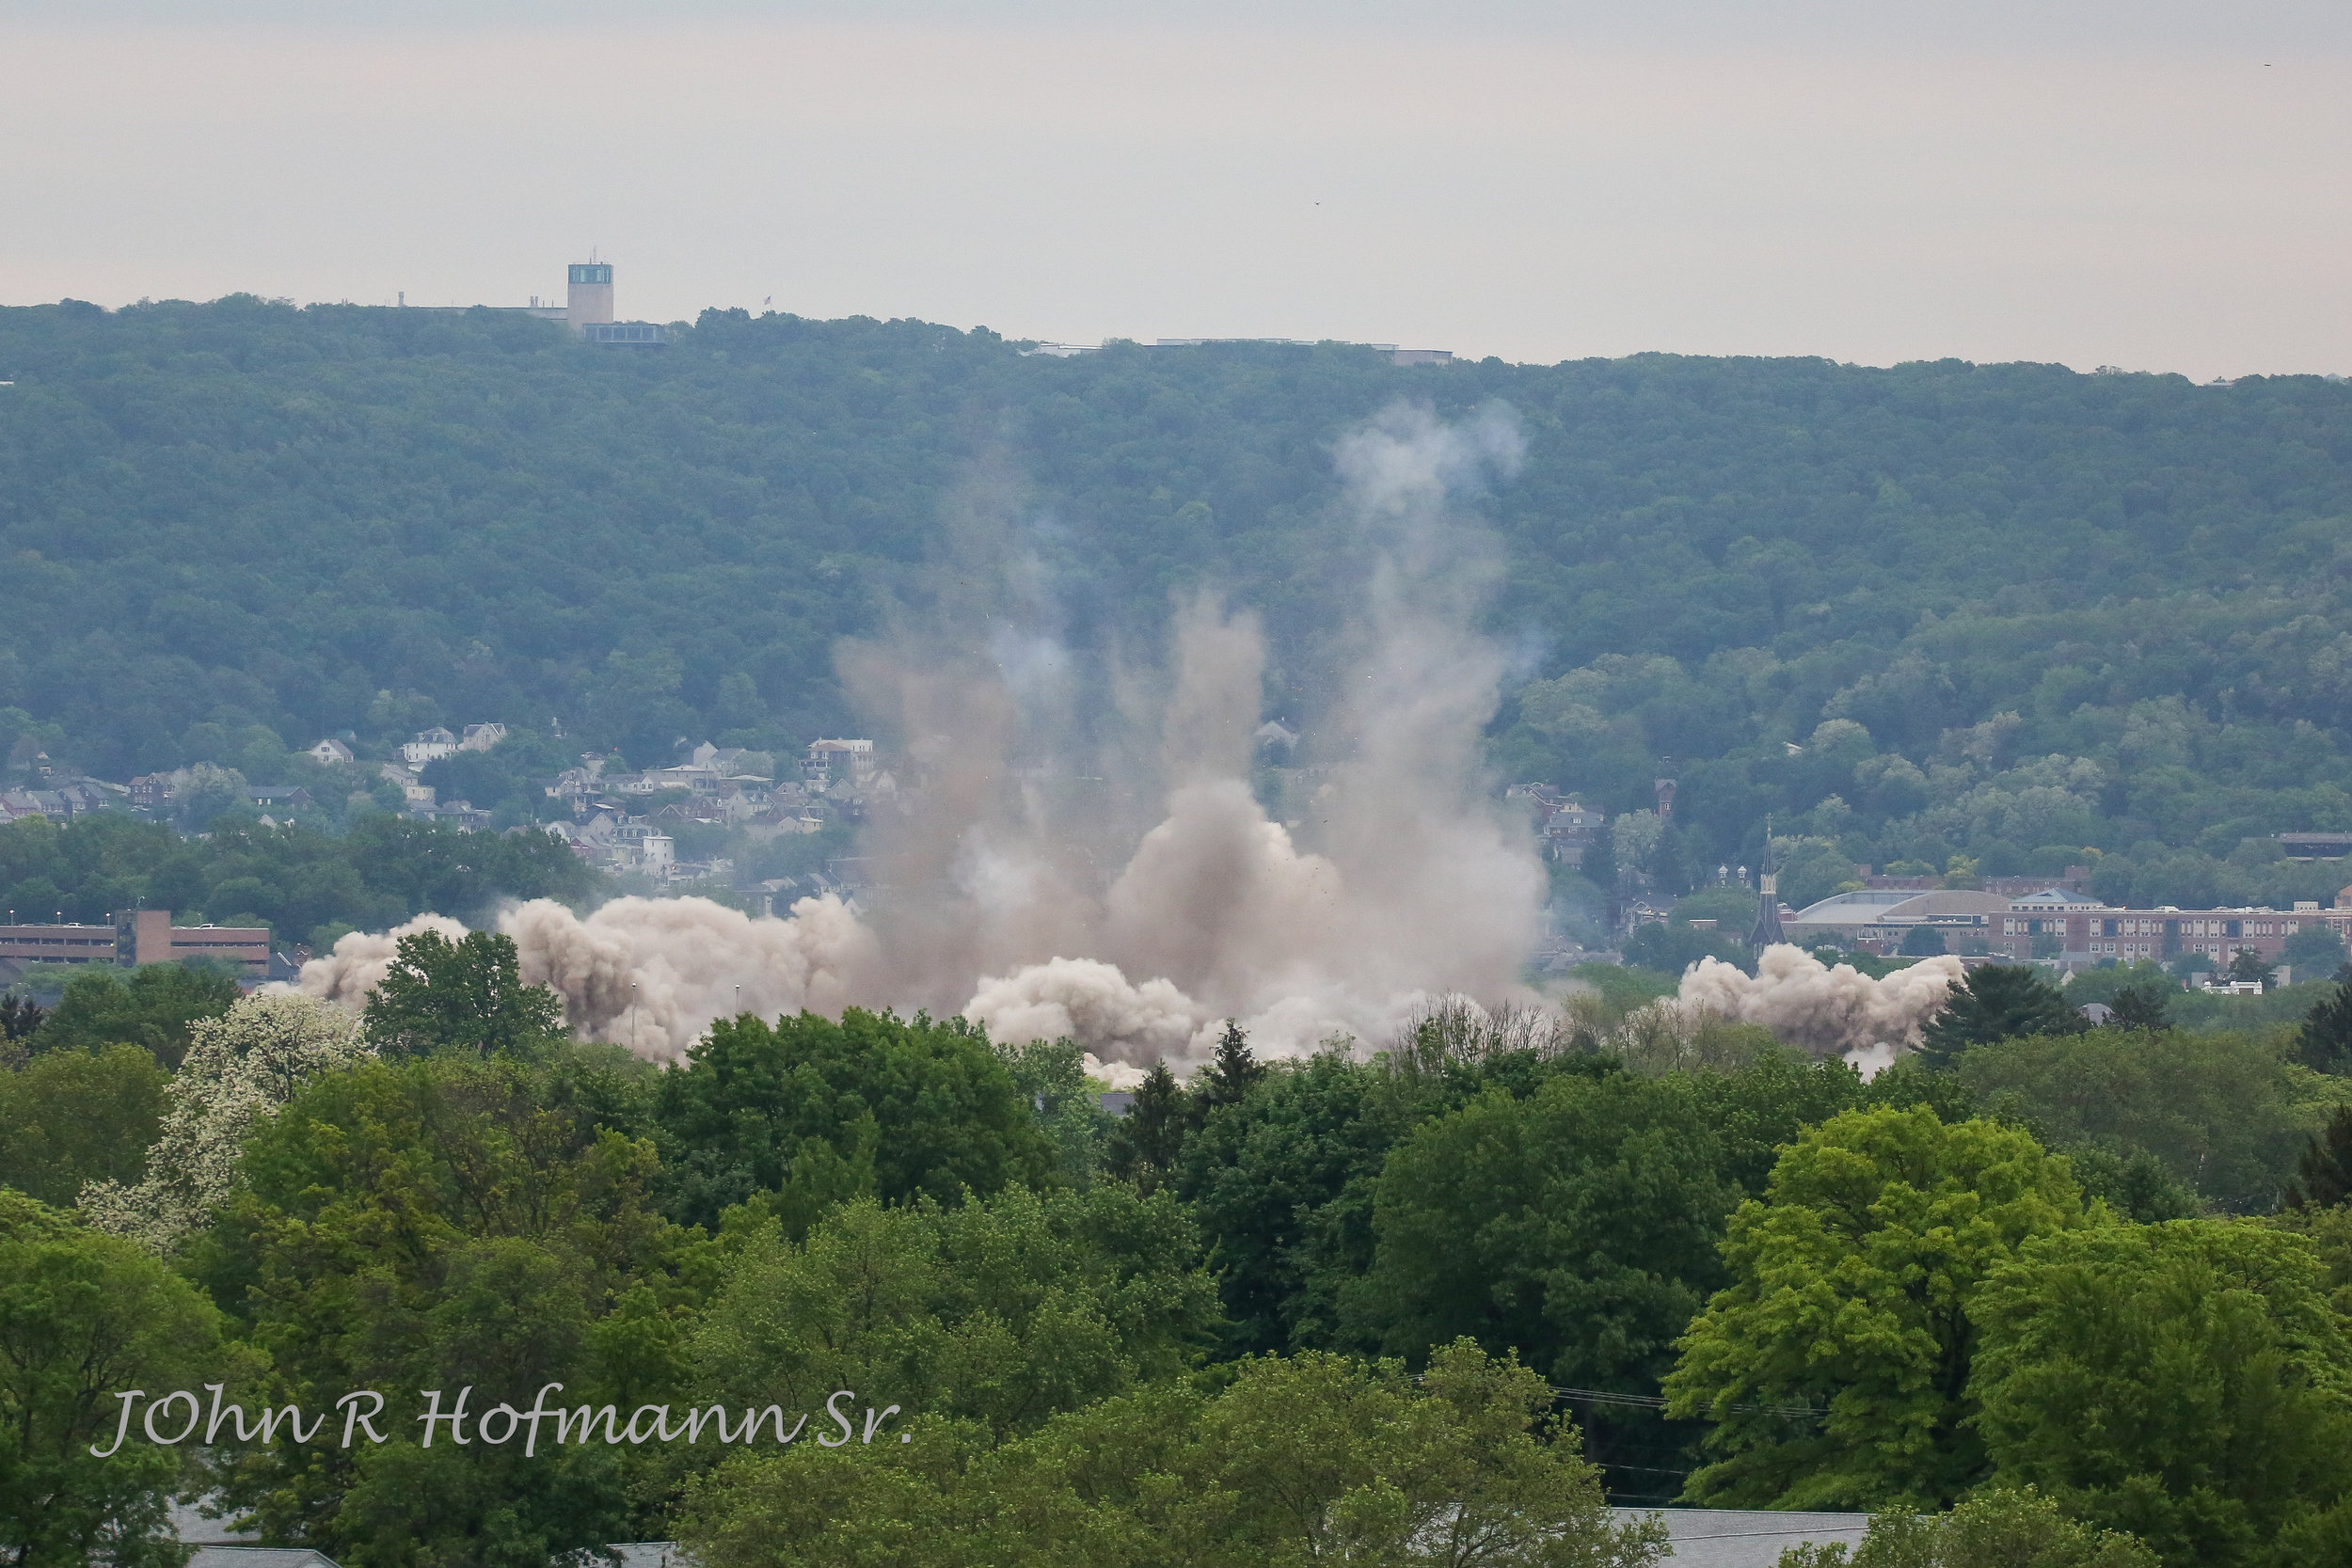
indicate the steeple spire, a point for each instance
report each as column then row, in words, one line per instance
column 1767, row 929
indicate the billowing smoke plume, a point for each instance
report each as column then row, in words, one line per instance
column 1830, row 1011
column 1088, row 857
column 651, row 973
column 359, row 959
column 1406, row 884
column 1086, row 999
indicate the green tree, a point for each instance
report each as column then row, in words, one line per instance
column 1003, row 1310
column 1851, row 1284
column 1328, row 1460
column 2137, row 1186
column 2324, row 1043
column 466, row 997
column 1577, row 1226
column 438, row 1223
column 1997, row 1002
column 83, row 1318
column 2107, row 985
column 872, row 1105
column 1050, row 1076
column 1923, row 941
column 2139, row 1008
column 1813, row 870
column 1283, row 1182
column 19, row 1017
column 2323, row 1173
column 1231, row 1074
column 2184, row 1382
column 2000, row 1527
column 1670, row 949
column 211, row 792
column 2313, row 953
column 1147, row 1141
column 2247, row 963
column 1316, row 1459
column 153, row 1006
column 72, row 1116
column 2221, row 1111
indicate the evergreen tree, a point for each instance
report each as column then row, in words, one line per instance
column 19, row 1017
column 1999, row 1002
column 1231, row 1075
column 1145, row 1146
column 2139, row 1008
column 2247, row 964
column 2323, row 1177
column 2324, row 1043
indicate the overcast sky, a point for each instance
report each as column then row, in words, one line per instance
column 2159, row 185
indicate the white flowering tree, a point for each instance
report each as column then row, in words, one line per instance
column 240, row 1070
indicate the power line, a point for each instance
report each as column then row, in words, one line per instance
column 1652, row 1402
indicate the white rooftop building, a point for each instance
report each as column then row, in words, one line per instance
column 1884, row 916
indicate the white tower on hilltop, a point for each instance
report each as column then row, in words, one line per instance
column 588, row 302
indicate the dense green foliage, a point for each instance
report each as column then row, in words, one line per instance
column 468, row 996
column 72, row 1116
column 2324, row 1040
column 301, row 883
column 1313, row 1460
column 1998, row 1002
column 83, row 1316
column 1852, row 1283
column 2224, row 1113
column 2093, row 1342
column 1286, row 1179
column 1999, row 1529
column 152, row 1005
column 1000, row 1313
column 1577, row 1225
column 1309, row 1310
column 812, row 1112
column 2323, row 1172
column 2001, row 611
column 440, row 1223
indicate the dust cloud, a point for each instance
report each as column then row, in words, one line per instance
column 1829, row 1010
column 347, row 973
column 1086, row 852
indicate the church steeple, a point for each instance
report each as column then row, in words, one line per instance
column 1768, row 929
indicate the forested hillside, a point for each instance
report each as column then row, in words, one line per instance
column 2000, row 611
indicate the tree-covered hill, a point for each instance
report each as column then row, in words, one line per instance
column 2037, row 610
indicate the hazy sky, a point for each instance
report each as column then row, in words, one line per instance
column 2160, row 185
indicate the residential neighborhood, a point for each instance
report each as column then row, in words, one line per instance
column 709, row 820
column 666, row 828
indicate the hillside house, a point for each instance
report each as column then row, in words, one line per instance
column 834, row 762
column 429, row 746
